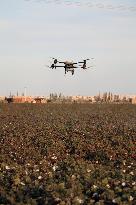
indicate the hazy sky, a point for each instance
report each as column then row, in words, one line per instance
column 33, row 31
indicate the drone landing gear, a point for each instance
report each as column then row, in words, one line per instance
column 52, row 66
column 72, row 72
column 65, row 70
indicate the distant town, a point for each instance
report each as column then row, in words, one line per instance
column 107, row 97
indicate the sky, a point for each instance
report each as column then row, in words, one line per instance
column 33, row 31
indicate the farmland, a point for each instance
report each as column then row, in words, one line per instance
column 67, row 154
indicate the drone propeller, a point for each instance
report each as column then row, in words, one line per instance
column 52, row 66
column 55, row 61
column 85, row 68
column 84, row 60
column 47, row 66
column 52, row 58
column 90, row 66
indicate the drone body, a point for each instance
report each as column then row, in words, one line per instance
column 69, row 66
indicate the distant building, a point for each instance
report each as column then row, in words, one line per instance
column 25, row 99
column 134, row 100
column 2, row 98
column 39, row 100
column 19, row 99
column 103, row 98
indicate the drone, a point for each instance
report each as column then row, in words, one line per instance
column 69, row 66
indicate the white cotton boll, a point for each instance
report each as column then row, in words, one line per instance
column 124, row 163
column 73, row 176
column 22, row 183
column 7, row 167
column 114, row 201
column 26, row 172
column 54, row 167
column 40, row 177
column 110, row 157
column 123, row 184
column 108, row 186
column 54, row 157
column 132, row 173
column 131, row 198
column 94, row 186
column 80, row 201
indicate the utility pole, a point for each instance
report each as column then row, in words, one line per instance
column 25, row 88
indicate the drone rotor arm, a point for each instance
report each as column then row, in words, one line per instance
column 61, row 62
column 59, row 66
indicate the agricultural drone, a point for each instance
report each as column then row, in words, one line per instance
column 69, row 66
